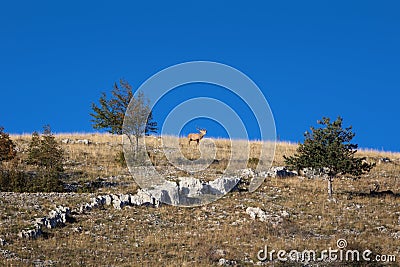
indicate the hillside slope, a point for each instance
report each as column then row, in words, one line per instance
column 295, row 214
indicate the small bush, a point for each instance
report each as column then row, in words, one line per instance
column 7, row 151
column 13, row 181
column 45, row 153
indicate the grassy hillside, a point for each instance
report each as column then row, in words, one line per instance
column 299, row 214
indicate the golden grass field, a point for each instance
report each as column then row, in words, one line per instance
column 201, row 236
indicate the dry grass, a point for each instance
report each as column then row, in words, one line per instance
column 173, row 236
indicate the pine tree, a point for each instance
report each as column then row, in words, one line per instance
column 327, row 150
column 45, row 153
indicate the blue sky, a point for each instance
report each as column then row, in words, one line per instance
column 309, row 58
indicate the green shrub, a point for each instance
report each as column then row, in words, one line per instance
column 48, row 157
column 7, row 146
column 45, row 152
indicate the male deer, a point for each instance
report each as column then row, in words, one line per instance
column 197, row 136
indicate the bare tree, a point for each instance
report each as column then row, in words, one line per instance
column 110, row 113
column 136, row 121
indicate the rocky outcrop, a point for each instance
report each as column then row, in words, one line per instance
column 83, row 141
column 31, row 233
column 119, row 201
column 56, row 218
column 79, row 141
column 188, row 191
column 281, row 172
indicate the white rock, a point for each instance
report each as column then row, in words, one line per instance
column 255, row 212
column 280, row 172
column 66, row 141
column 143, row 198
column 222, row 262
column 191, row 191
column 263, row 216
column 116, row 202
column 31, row 234
column 396, row 235
column 248, row 173
column 284, row 213
column 108, row 199
column 83, row 141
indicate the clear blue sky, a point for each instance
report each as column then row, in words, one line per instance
column 310, row 58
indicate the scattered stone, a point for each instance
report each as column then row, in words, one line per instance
column 108, row 199
column 219, row 252
column 77, row 229
column 247, row 173
column 225, row 262
column 313, row 173
column 56, row 218
column 66, row 141
column 284, row 213
column 385, row 160
column 8, row 254
column 264, row 216
column 351, row 232
column 120, row 201
column 281, row 172
column 41, row 263
column 83, row 141
column 255, row 212
column 31, row 233
column 381, row 229
column 396, row 235
column 2, row 242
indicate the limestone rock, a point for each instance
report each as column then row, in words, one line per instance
column 31, row 233
column 143, row 198
column 83, row 141
column 264, row 216
column 191, row 191
column 66, row 141
column 57, row 217
column 281, row 172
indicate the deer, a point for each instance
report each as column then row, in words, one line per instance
column 197, row 136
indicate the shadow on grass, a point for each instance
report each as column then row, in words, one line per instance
column 373, row 194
